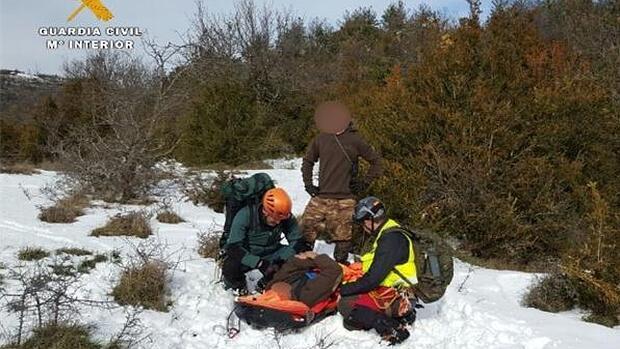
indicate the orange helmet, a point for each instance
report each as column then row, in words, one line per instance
column 277, row 204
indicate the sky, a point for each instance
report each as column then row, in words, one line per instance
column 22, row 48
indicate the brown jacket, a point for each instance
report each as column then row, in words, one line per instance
column 306, row 290
column 334, row 167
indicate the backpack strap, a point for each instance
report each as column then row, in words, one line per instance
column 431, row 262
column 254, row 216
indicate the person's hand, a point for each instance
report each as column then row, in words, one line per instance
column 307, row 255
column 313, row 190
column 268, row 268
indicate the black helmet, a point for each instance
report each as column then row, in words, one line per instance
column 368, row 208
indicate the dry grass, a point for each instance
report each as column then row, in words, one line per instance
column 208, row 244
column 32, row 254
column 131, row 224
column 59, row 337
column 65, row 210
column 19, row 168
column 169, row 217
column 143, row 285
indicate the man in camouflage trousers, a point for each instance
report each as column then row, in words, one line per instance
column 338, row 147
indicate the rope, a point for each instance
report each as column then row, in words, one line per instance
column 232, row 330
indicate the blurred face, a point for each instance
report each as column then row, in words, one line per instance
column 332, row 117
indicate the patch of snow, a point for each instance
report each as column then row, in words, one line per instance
column 481, row 308
column 284, row 163
column 27, row 76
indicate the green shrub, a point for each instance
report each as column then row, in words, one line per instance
column 87, row 265
column 75, row 251
column 32, row 254
column 589, row 275
column 480, row 141
column 22, row 142
column 59, row 337
column 206, row 191
column 553, row 293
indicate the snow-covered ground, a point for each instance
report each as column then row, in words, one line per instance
column 480, row 309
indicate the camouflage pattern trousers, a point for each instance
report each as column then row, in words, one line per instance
column 334, row 217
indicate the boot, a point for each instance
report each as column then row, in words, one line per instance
column 391, row 330
column 239, row 288
column 341, row 252
column 396, row 336
column 408, row 319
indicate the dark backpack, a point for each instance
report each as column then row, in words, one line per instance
column 241, row 192
column 434, row 265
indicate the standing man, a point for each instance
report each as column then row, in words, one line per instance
column 338, row 147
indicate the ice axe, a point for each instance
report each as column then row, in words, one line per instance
column 96, row 6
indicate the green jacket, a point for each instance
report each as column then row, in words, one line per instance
column 264, row 242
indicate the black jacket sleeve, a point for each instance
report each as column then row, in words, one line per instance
column 311, row 157
column 373, row 158
column 392, row 250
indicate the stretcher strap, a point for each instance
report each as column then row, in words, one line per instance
column 233, row 324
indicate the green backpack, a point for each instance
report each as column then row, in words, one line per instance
column 434, row 265
column 241, row 192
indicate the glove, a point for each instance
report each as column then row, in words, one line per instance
column 267, row 268
column 313, row 190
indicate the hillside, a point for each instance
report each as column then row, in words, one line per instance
column 20, row 92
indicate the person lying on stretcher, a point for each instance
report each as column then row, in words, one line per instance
column 301, row 293
column 308, row 278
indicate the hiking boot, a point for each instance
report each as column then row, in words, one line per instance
column 261, row 285
column 396, row 336
column 238, row 288
column 240, row 291
column 391, row 330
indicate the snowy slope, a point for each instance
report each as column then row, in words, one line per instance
column 480, row 310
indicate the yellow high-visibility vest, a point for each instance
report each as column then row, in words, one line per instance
column 407, row 269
